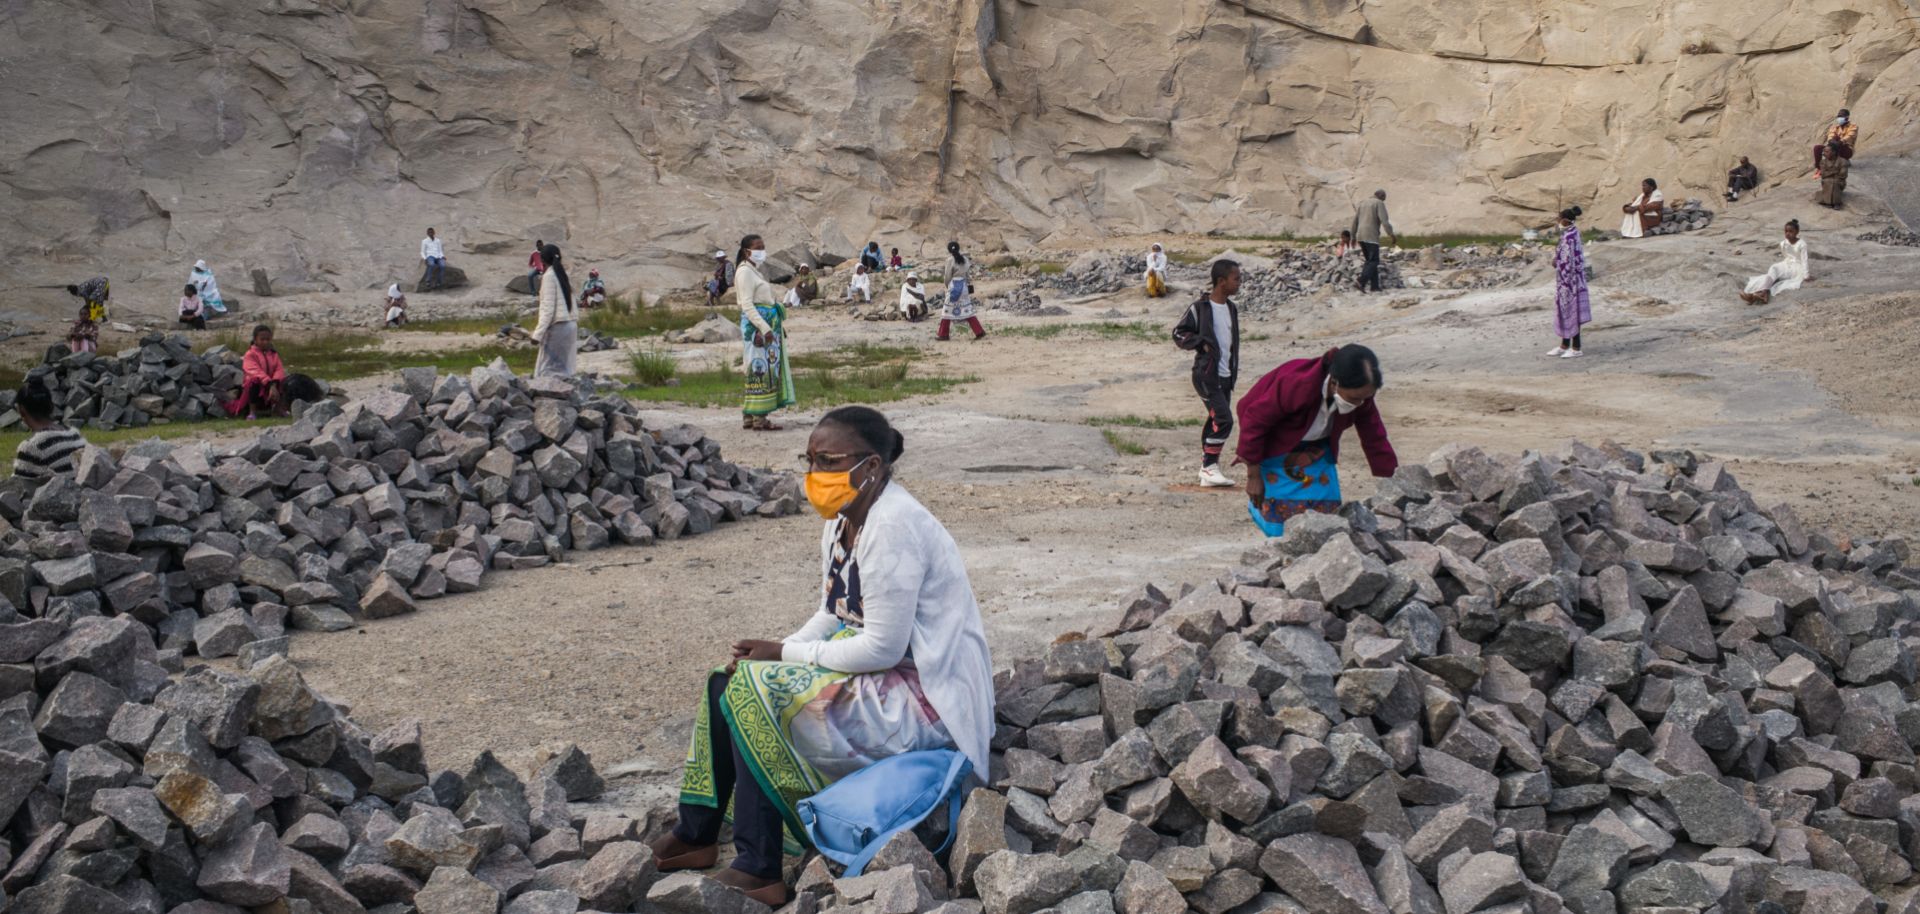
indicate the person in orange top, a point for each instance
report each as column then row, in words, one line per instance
column 265, row 384
column 1843, row 131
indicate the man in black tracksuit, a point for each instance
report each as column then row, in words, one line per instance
column 1211, row 330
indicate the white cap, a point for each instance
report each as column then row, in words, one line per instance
column 719, row 255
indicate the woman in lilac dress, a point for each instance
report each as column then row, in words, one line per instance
column 1570, row 308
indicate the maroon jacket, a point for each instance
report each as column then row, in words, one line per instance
column 1279, row 409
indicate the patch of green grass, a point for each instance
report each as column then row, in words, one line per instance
column 10, row 441
column 1122, row 444
column 852, row 374
column 1190, row 257
column 622, row 320
column 1254, row 337
column 1281, row 238
column 1132, row 421
column 1050, row 267
column 1127, row 331
column 486, row 324
column 861, row 353
column 653, row 367
column 354, row 354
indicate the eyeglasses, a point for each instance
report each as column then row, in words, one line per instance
column 819, row 462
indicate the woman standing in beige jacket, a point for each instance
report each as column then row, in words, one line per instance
column 557, row 333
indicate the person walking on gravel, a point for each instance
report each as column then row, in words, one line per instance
column 1210, row 329
column 1291, row 421
column 1369, row 221
column 959, row 283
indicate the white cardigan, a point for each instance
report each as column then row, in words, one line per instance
column 915, row 594
column 554, row 308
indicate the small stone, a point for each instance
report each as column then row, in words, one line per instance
column 1012, row 883
column 452, row 890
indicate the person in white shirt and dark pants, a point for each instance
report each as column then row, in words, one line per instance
column 434, row 255
column 1211, row 331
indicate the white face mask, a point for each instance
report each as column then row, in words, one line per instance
column 758, row 257
column 1344, row 405
column 1841, row 121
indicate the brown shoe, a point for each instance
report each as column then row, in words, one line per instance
column 770, row 892
column 670, row 854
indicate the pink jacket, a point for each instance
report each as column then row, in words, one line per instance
column 260, row 365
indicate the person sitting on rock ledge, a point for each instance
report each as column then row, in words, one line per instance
column 1291, row 421
column 396, row 309
column 594, row 293
column 264, row 385
column 861, row 284
column 893, row 263
column 1833, row 177
column 807, row 284
column 1156, row 276
column 193, row 311
column 1644, row 213
column 913, row 299
column 1744, row 177
column 50, row 449
column 1842, row 131
column 895, row 660
column 433, row 253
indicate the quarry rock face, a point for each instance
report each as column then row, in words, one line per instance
column 307, row 145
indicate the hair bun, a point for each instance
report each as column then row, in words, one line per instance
column 1576, row 212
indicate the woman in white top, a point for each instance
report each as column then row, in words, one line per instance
column 913, row 298
column 1156, row 275
column 1786, row 274
column 557, row 333
column 894, row 661
column 763, row 330
column 1644, row 212
column 396, row 312
column 861, row 284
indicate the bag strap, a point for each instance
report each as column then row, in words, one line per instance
column 956, row 772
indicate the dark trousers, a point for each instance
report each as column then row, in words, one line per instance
column 197, row 322
column 756, row 821
column 1217, row 393
column 1846, row 152
column 974, row 322
column 1370, row 274
column 1570, row 343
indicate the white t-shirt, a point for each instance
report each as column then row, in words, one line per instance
column 862, row 282
column 430, row 247
column 1223, row 336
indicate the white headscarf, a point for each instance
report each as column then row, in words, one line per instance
column 393, row 290
column 201, row 265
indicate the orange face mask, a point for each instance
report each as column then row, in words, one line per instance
column 831, row 493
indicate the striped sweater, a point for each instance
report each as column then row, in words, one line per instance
column 48, row 452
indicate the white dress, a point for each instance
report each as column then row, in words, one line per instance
column 1787, row 273
column 1630, row 226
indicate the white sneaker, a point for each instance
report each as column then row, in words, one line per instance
column 1212, row 478
column 1570, row 354
column 1556, row 352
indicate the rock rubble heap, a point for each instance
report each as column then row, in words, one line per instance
column 589, row 340
column 160, row 379
column 1892, row 235
column 356, row 511
column 1593, row 683
column 135, row 793
column 1266, row 283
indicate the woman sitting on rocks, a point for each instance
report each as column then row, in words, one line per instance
column 894, row 661
column 1786, row 274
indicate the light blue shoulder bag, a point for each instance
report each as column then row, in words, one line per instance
column 852, row 820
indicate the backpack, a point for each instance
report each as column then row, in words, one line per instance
column 853, row 819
